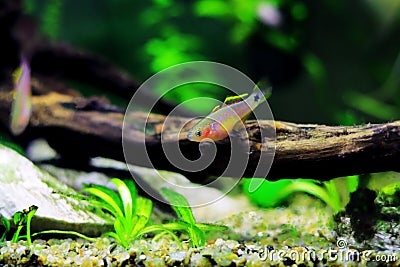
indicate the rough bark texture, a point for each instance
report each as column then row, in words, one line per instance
column 80, row 128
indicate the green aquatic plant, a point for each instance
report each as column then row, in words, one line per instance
column 65, row 232
column 371, row 105
column 187, row 222
column 7, row 228
column 20, row 219
column 23, row 219
column 266, row 194
column 131, row 213
column 271, row 194
column 327, row 192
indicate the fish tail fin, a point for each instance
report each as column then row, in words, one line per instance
column 263, row 89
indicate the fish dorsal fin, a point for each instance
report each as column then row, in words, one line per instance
column 17, row 74
column 234, row 99
column 230, row 100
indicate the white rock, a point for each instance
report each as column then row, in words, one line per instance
column 22, row 184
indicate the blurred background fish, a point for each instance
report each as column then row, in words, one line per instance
column 21, row 106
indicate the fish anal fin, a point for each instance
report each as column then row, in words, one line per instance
column 245, row 118
column 239, row 130
column 234, row 99
column 239, row 126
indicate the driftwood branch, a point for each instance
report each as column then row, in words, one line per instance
column 80, row 128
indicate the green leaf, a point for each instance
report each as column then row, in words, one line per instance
column 196, row 235
column 132, row 188
column 29, row 216
column 113, row 235
column 16, row 236
column 179, row 204
column 133, row 192
column 109, row 201
column 352, row 183
column 139, row 225
column 211, row 227
column 334, row 194
column 62, row 232
column 119, row 226
column 126, row 197
column 121, row 230
column 266, row 193
column 312, row 189
column 108, row 191
column 19, row 218
column 174, row 226
column 7, row 226
column 144, row 207
column 183, row 210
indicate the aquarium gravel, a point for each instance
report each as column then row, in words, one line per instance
column 299, row 235
column 105, row 252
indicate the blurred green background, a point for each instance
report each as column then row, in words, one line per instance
column 329, row 61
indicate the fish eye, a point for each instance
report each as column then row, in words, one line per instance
column 198, row 133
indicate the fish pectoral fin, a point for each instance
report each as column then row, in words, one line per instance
column 234, row 99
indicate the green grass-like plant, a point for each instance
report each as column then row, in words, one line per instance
column 132, row 214
column 272, row 194
column 327, row 192
column 187, row 222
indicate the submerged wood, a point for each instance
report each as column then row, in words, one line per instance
column 80, row 128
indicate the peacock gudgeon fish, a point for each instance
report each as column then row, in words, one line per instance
column 225, row 118
column 21, row 106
